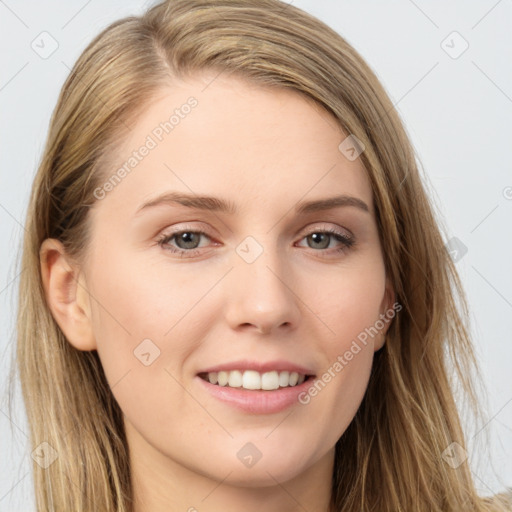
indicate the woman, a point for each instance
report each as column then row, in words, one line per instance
column 181, row 333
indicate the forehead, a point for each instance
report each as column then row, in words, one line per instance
column 223, row 136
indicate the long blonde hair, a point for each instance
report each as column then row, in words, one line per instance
column 390, row 457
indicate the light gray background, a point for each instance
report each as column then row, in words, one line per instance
column 458, row 113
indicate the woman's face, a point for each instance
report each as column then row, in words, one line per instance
column 255, row 283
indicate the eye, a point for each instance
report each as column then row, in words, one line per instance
column 186, row 242
column 321, row 239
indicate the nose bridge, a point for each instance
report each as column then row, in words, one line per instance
column 260, row 292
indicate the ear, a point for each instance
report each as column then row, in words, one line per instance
column 387, row 313
column 66, row 294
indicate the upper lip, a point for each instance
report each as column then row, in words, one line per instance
column 259, row 366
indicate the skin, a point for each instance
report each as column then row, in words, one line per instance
column 266, row 150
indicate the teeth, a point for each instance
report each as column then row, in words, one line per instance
column 223, row 378
column 284, row 379
column 235, row 379
column 270, row 380
column 250, row 379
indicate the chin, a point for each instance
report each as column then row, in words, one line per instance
column 261, row 475
column 279, row 465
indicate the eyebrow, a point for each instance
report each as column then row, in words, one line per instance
column 221, row 205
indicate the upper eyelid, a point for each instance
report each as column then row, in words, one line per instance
column 314, row 227
column 305, row 232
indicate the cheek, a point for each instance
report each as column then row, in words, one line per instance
column 350, row 304
column 135, row 299
column 146, row 326
column 350, row 310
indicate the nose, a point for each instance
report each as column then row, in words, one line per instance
column 261, row 295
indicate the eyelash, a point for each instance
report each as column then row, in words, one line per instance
column 347, row 241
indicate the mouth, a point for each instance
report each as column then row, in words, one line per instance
column 254, row 380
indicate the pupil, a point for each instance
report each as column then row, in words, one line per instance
column 187, row 239
column 316, row 237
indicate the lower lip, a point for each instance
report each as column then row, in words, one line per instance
column 257, row 401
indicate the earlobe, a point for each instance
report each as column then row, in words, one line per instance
column 66, row 294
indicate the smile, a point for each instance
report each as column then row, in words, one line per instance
column 253, row 380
